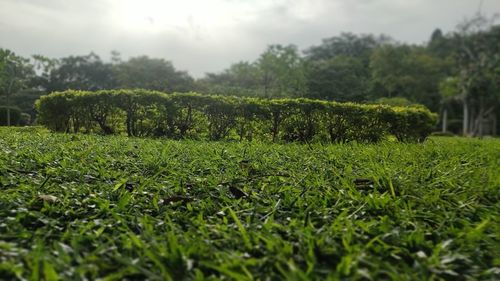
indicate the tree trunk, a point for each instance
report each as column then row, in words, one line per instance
column 480, row 121
column 494, row 124
column 8, row 101
column 128, row 121
column 465, row 122
column 480, row 118
column 471, row 128
column 445, row 120
column 8, row 111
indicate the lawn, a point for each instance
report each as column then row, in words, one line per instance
column 84, row 207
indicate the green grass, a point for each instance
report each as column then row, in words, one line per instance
column 82, row 207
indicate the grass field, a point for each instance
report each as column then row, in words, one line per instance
column 82, row 207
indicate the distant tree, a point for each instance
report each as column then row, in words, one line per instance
column 478, row 61
column 409, row 72
column 153, row 74
column 87, row 72
column 398, row 101
column 44, row 66
column 241, row 74
column 241, row 78
column 340, row 78
column 440, row 45
column 347, row 45
column 15, row 73
column 116, row 57
column 281, row 71
column 337, row 69
column 449, row 89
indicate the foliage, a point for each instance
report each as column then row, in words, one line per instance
column 478, row 62
column 281, row 71
column 241, row 76
column 347, row 45
column 341, row 79
column 337, row 69
column 409, row 72
column 149, row 113
column 15, row 72
column 83, row 207
column 450, row 88
column 278, row 72
column 410, row 123
column 87, row 72
column 152, row 74
column 395, row 101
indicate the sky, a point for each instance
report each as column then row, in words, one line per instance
column 201, row 36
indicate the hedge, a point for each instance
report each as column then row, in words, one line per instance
column 195, row 116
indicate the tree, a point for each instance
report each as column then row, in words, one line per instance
column 450, row 90
column 241, row 74
column 278, row 72
column 15, row 72
column 45, row 67
column 86, row 72
column 349, row 45
column 153, row 74
column 338, row 69
column 340, row 78
column 409, row 72
column 281, row 71
column 241, row 78
column 440, row 45
column 478, row 61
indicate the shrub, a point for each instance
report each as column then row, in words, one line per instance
column 304, row 119
column 411, row 124
column 56, row 110
column 150, row 113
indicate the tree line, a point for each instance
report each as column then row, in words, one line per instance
column 455, row 74
column 196, row 116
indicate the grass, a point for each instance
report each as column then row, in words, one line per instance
column 81, row 207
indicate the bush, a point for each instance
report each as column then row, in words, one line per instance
column 411, row 124
column 395, row 101
column 150, row 113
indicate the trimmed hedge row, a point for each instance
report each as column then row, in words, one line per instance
column 191, row 115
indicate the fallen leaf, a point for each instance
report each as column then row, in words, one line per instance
column 48, row 198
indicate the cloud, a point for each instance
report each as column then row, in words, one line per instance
column 208, row 35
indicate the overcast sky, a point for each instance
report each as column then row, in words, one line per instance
column 208, row 35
